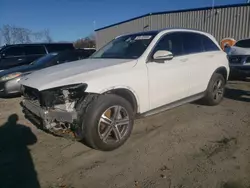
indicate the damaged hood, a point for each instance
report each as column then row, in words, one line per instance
column 234, row 50
column 75, row 72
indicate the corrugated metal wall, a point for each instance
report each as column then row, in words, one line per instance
column 231, row 22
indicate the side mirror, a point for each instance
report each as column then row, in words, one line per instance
column 163, row 55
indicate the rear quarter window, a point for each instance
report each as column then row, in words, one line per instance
column 208, row 44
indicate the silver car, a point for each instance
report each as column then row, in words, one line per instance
column 9, row 79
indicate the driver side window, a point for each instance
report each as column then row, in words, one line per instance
column 13, row 52
column 170, row 42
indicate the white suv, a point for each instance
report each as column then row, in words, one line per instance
column 96, row 100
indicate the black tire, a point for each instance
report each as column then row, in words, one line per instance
column 210, row 98
column 90, row 111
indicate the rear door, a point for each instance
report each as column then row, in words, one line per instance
column 201, row 52
column 33, row 52
column 11, row 57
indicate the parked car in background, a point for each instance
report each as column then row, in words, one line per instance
column 89, row 50
column 97, row 99
column 239, row 58
column 9, row 79
column 23, row 54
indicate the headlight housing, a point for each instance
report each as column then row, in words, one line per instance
column 10, row 76
column 55, row 96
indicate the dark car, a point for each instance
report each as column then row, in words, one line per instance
column 9, row 79
column 23, row 54
column 239, row 58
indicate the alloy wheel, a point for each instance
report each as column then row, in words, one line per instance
column 113, row 124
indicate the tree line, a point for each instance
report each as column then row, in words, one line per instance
column 11, row 34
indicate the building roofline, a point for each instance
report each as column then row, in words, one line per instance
column 176, row 11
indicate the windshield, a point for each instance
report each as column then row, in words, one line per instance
column 125, row 47
column 44, row 59
column 243, row 43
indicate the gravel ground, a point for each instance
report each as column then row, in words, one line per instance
column 186, row 147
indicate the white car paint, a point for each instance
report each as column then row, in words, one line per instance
column 202, row 66
column 153, row 84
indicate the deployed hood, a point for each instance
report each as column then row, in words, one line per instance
column 74, row 72
column 234, row 50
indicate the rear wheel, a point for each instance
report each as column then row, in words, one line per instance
column 215, row 91
column 107, row 122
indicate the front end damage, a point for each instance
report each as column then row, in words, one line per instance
column 54, row 110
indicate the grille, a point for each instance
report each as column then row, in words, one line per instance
column 235, row 60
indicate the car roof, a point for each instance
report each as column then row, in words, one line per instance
column 35, row 44
column 155, row 32
column 243, row 39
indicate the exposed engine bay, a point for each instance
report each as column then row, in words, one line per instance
column 54, row 110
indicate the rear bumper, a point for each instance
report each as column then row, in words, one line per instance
column 33, row 108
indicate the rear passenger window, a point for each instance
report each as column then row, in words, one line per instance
column 192, row 43
column 34, row 50
column 59, row 47
column 170, row 42
column 208, row 44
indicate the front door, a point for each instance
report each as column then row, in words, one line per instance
column 168, row 80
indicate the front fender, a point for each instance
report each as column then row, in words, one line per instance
column 110, row 89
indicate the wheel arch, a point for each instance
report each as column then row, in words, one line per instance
column 127, row 93
column 223, row 71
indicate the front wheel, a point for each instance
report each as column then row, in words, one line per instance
column 107, row 122
column 215, row 91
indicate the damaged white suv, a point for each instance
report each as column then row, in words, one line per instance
column 96, row 100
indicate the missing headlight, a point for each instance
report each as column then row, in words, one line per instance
column 61, row 95
column 77, row 91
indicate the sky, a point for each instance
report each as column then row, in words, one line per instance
column 69, row 20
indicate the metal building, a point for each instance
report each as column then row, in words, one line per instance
column 223, row 21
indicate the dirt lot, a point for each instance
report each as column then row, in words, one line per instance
column 190, row 146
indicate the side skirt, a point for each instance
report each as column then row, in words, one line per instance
column 172, row 105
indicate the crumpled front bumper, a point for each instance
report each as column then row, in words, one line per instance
column 33, row 108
